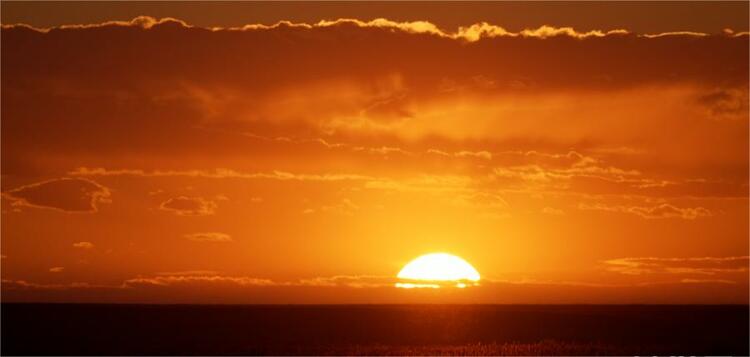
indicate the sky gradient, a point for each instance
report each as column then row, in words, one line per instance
column 219, row 158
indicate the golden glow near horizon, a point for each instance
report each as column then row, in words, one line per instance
column 434, row 270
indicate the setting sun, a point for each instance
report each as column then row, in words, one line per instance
column 430, row 270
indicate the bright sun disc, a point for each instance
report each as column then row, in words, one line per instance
column 429, row 270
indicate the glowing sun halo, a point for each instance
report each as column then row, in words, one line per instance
column 435, row 270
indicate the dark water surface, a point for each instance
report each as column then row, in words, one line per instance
column 81, row 329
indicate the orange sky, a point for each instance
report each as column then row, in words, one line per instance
column 307, row 162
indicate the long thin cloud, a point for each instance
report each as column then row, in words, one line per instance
column 471, row 33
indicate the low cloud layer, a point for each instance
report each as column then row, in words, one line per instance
column 212, row 287
column 697, row 265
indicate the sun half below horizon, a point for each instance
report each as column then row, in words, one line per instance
column 350, row 153
column 435, row 270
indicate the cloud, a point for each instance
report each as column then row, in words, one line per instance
column 187, row 273
column 677, row 33
column 483, row 154
column 83, row 245
column 551, row 169
column 72, row 195
column 668, row 211
column 471, row 33
column 487, row 204
column 207, row 287
column 202, row 278
column 422, row 183
column 217, row 173
column 569, row 173
column 707, row 281
column 144, row 22
column 553, row 211
column 350, row 281
column 691, row 265
column 189, row 206
column 198, row 278
column 383, row 150
column 345, row 207
column 209, row 237
column 395, row 109
column 209, row 93
column 209, row 277
column 56, row 269
column 541, row 282
column 663, row 210
column 725, row 104
column 427, row 183
column 577, row 173
column 9, row 284
column 171, row 280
